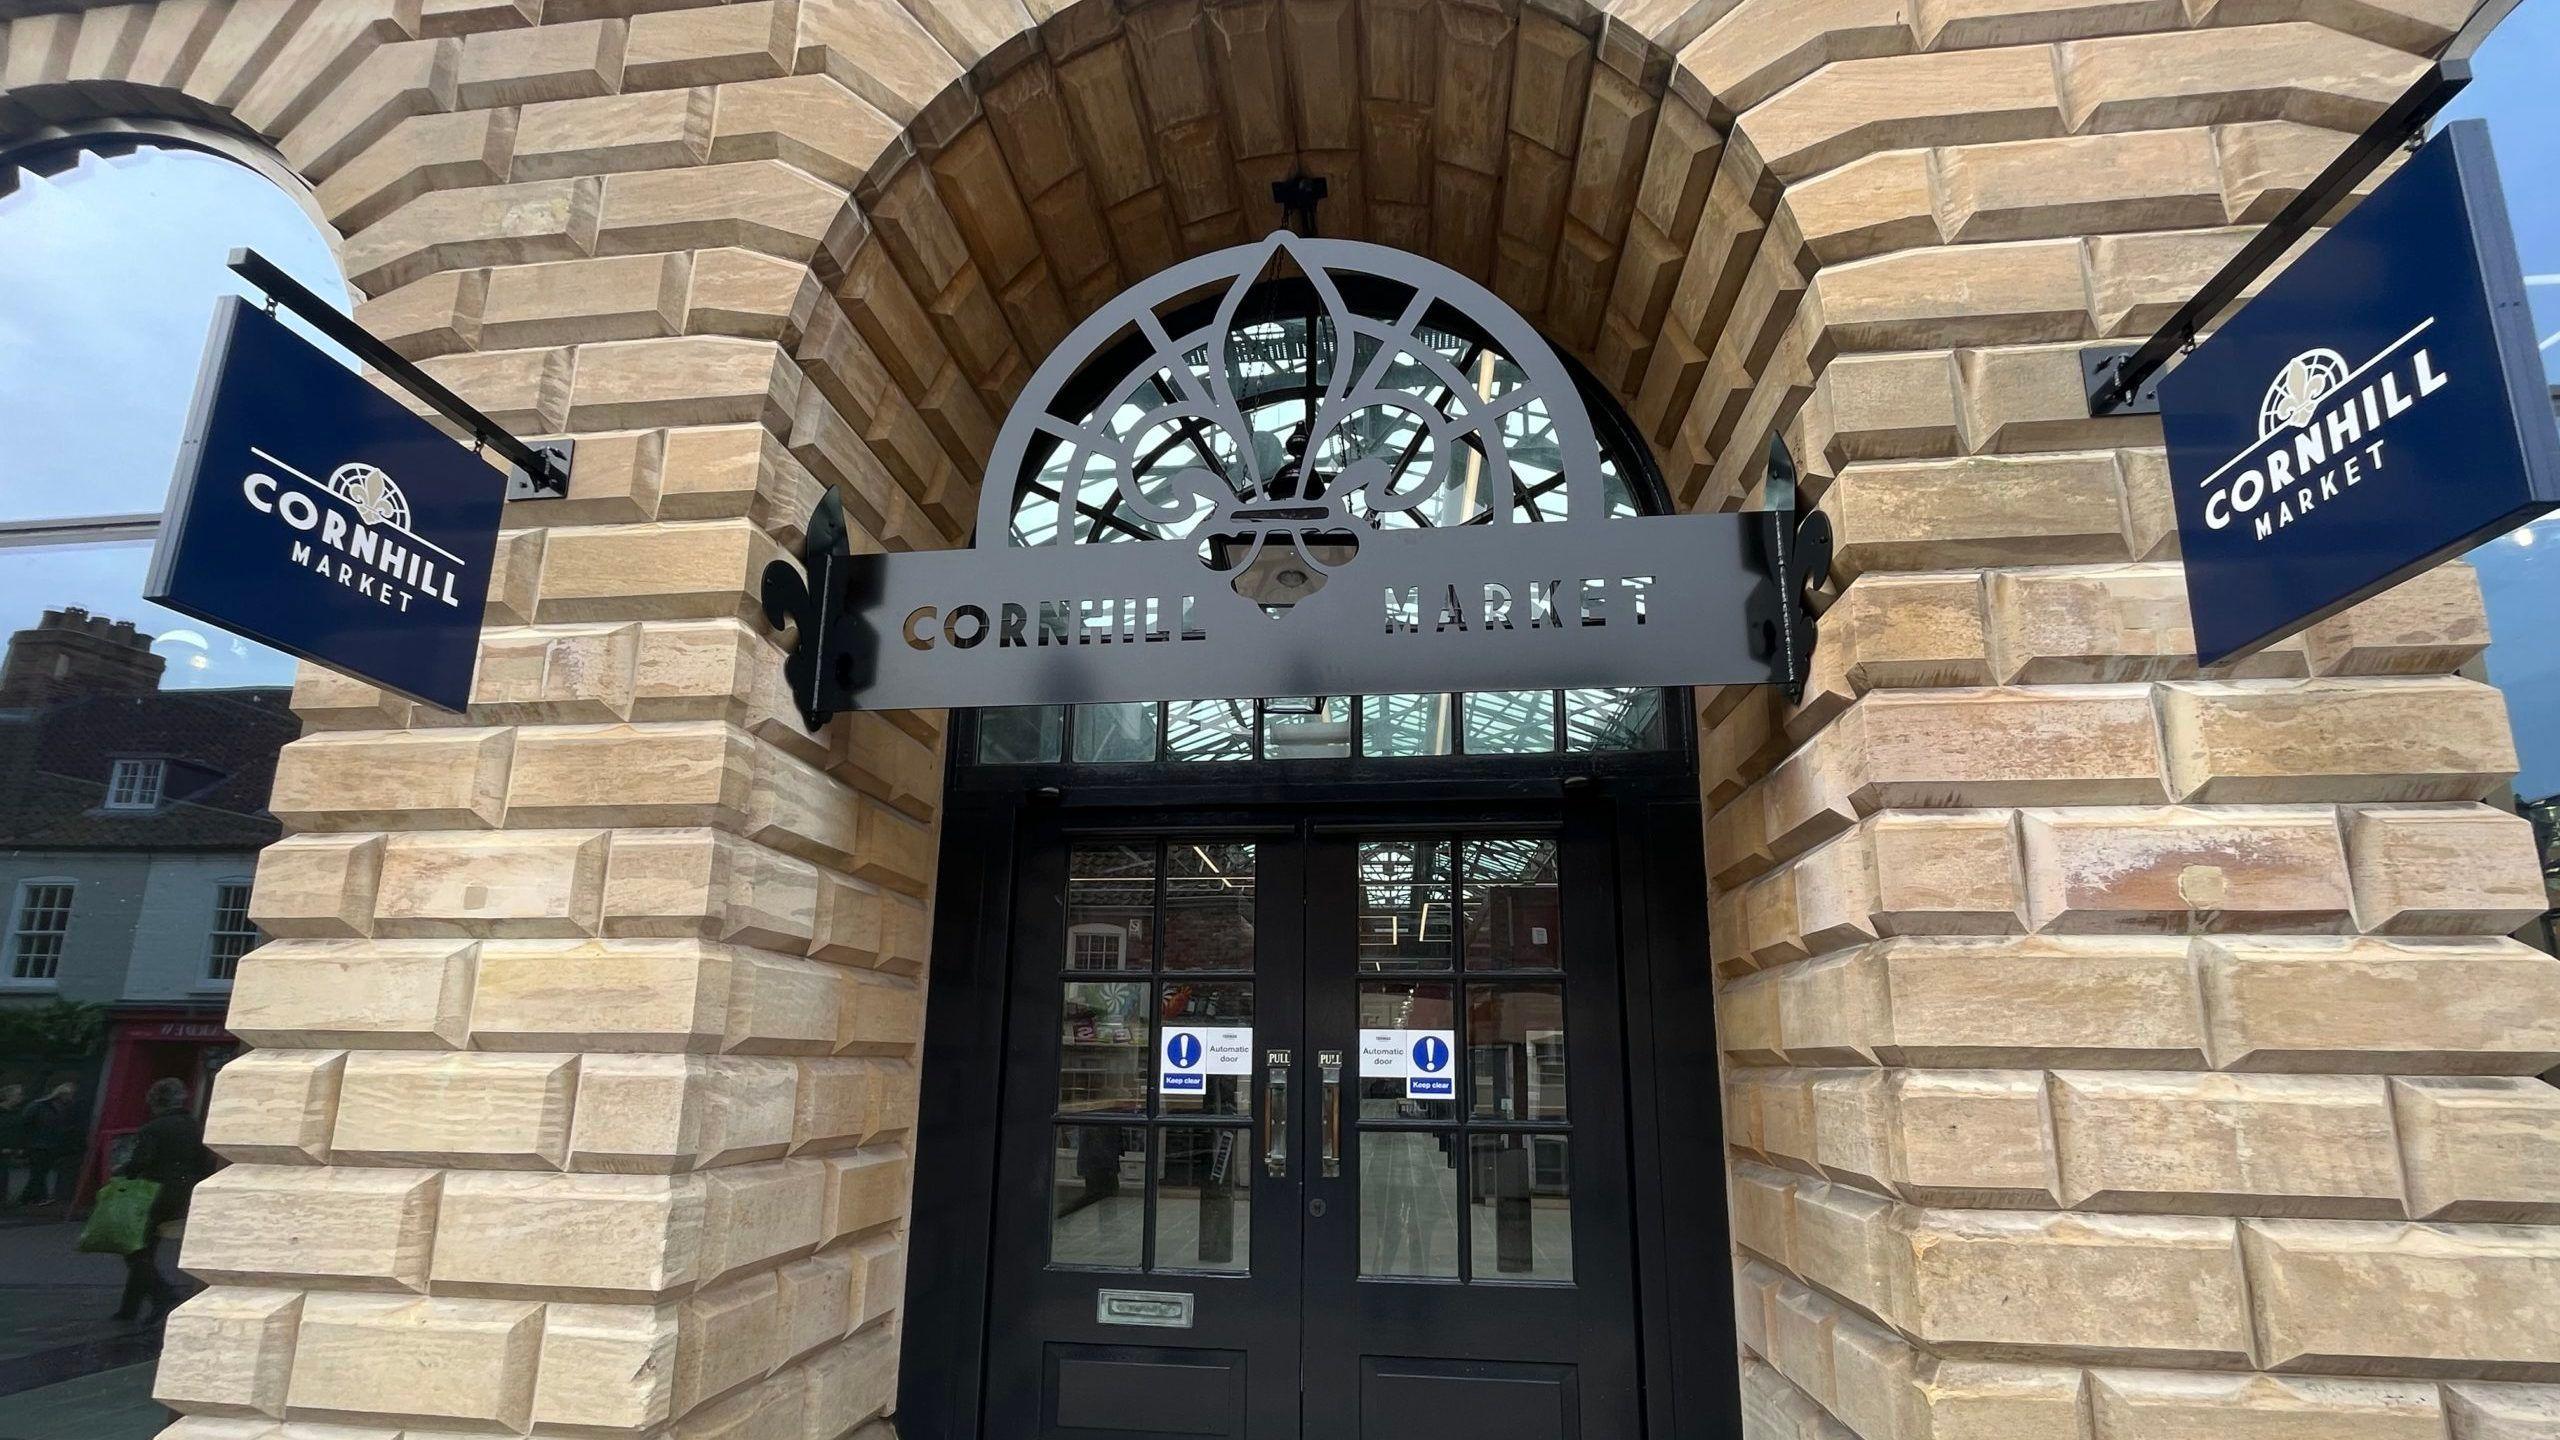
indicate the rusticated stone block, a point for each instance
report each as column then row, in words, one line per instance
column 707, row 45
column 676, row 774
column 2005, row 294
column 2041, row 1001
column 560, row 674
column 731, row 1334
column 395, row 81
column 2430, row 624
column 665, row 1113
column 2259, row 741
column 423, row 779
column 1886, row 407
column 276, row 1106
column 2231, row 1144
column 391, row 994
column 2138, row 1405
column 817, row 1301
column 606, row 1367
column 601, row 995
column 782, row 1004
column 702, row 882
column 2179, row 869
column 436, row 315
column 757, row 1215
column 630, row 1238
column 487, row 1111
column 2167, row 1289
column 437, row 1362
column 2079, row 185
column 447, row 229
column 548, row 62
column 336, row 1226
column 1855, row 106
column 527, row 391
column 879, row 1278
column 317, row 886
column 2503, row 1412
column 692, row 380
column 1843, row 1240
column 2459, row 1007
column 810, row 121
column 758, row 204
column 528, row 884
column 228, row 1351
column 1978, row 511
column 866, row 1190
column 2219, row 75
column 1946, row 872
column 2443, row 869
column 2483, row 1149
column 424, row 152
column 2086, row 745
column 578, row 301
column 2339, row 1296
column 1871, row 206
column 2107, row 622
column 692, row 569
column 1975, row 1138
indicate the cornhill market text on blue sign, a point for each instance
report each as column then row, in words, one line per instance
column 2379, row 407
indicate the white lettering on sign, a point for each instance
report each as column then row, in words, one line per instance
column 367, row 546
column 2319, row 434
column 1187, row 1055
column 1425, row 1060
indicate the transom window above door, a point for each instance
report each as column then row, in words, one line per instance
column 1281, row 345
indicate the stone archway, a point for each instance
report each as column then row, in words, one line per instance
column 2111, row 1052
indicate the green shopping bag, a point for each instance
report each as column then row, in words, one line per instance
column 121, row 1223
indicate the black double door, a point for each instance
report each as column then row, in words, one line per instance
column 1313, row 1130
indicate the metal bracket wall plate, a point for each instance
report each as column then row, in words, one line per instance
column 2098, row 367
column 551, row 484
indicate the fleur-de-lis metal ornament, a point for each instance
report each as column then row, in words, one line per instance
column 818, row 604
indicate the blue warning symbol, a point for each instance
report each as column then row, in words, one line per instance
column 1430, row 1067
column 1183, row 1050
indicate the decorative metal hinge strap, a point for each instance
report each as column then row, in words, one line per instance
column 824, row 662
column 1795, row 549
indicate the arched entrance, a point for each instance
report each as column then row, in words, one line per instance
column 1299, row 1049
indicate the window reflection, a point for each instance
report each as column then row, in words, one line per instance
column 1409, row 1204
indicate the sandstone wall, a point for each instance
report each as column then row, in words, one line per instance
column 2113, row 1053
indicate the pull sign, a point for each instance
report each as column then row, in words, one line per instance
column 1158, row 1309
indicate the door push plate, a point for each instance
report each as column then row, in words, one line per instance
column 1162, row 1309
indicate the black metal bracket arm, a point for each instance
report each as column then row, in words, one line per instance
column 2120, row 381
column 539, row 469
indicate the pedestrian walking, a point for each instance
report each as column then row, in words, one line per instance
column 168, row 1151
column 50, row 1135
column 13, row 1118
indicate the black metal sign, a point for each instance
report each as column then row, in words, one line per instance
column 1373, row 547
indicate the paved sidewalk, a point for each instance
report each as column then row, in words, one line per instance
column 67, row 1370
column 109, row 1405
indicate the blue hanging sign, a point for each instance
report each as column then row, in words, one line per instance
column 2378, row 408
column 316, row 514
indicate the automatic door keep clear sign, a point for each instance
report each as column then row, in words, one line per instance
column 1189, row 1054
column 1424, row 1059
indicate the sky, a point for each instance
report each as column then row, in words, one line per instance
column 114, row 268
column 2520, row 573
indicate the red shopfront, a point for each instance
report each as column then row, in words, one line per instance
column 146, row 1044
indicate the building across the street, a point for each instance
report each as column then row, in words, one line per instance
column 130, row 822
column 2011, row 1033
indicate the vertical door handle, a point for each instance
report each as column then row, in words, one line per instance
column 1329, row 1070
column 1275, row 1112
